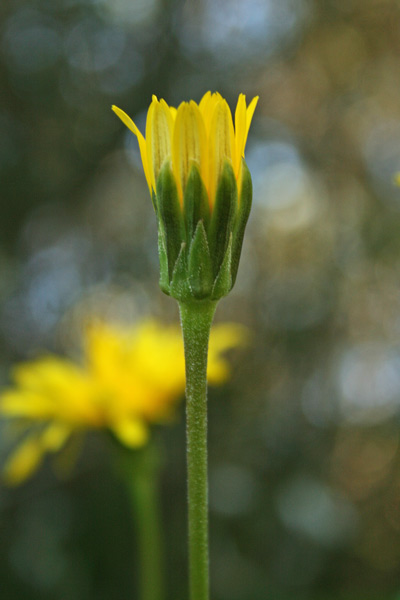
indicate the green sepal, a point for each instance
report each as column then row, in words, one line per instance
column 179, row 287
column 223, row 282
column 162, row 255
column 195, row 202
column 154, row 200
column 199, row 264
column 241, row 219
column 169, row 214
column 223, row 215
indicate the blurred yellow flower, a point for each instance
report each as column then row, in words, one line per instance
column 201, row 134
column 131, row 377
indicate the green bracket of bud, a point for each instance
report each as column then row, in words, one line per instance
column 242, row 217
column 223, row 281
column 200, row 252
column 223, row 216
column 179, row 288
column 195, row 203
column 199, row 266
column 162, row 254
column 170, row 216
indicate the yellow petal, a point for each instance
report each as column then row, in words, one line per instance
column 207, row 107
column 241, row 136
column 51, row 388
column 149, row 135
column 25, row 404
column 142, row 142
column 54, row 436
column 131, row 433
column 29, row 454
column 223, row 337
column 249, row 116
column 203, row 102
column 221, row 143
column 23, row 461
column 240, row 131
column 189, row 143
column 159, row 127
column 228, row 335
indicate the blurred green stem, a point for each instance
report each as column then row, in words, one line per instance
column 196, row 319
column 140, row 469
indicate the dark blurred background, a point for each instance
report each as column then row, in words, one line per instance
column 304, row 440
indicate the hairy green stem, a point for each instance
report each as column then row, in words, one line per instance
column 196, row 319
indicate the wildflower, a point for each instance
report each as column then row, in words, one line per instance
column 129, row 379
column 193, row 161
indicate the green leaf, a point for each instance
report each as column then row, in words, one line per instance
column 169, row 215
column 223, row 215
column 199, row 265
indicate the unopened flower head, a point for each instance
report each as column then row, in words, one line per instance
column 193, row 160
column 130, row 378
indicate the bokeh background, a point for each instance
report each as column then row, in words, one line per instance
column 304, row 439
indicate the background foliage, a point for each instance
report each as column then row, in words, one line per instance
column 304, row 441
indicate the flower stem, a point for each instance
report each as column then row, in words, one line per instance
column 140, row 473
column 196, row 319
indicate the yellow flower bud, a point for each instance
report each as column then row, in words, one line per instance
column 201, row 134
column 193, row 160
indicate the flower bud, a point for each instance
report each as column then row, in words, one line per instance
column 193, row 160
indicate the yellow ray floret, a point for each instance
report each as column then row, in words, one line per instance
column 130, row 378
column 201, row 134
